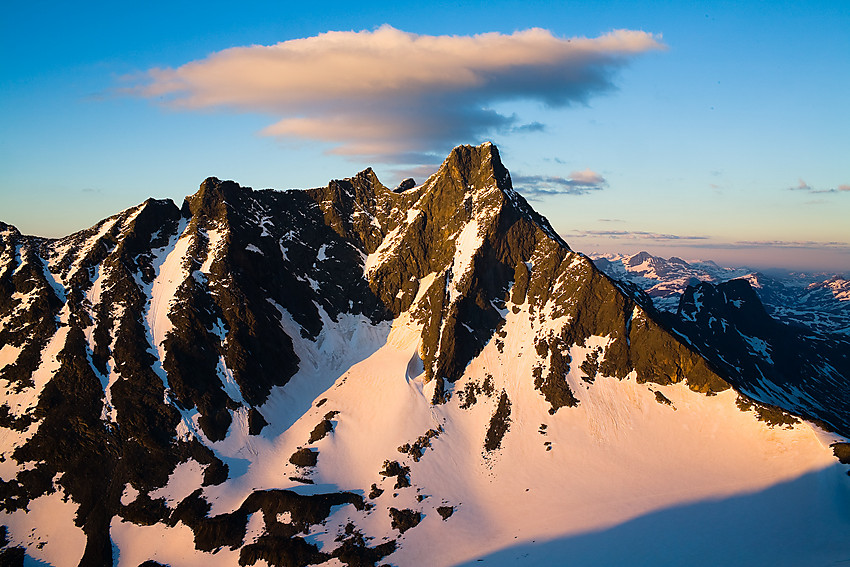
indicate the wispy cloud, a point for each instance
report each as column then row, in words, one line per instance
column 803, row 186
column 530, row 127
column 555, row 159
column 387, row 92
column 633, row 235
column 578, row 183
column 792, row 244
column 707, row 242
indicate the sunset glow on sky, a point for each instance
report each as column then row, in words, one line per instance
column 711, row 130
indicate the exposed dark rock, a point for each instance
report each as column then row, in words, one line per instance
column 304, row 458
column 401, row 472
column 662, row 399
column 305, row 511
column 499, row 424
column 10, row 556
column 321, row 430
column 279, row 547
column 355, row 553
column 256, row 421
column 771, row 415
column 487, row 387
column 445, row 512
column 554, row 387
column 281, row 551
column 467, row 395
column 324, row 427
column 406, row 184
column 280, row 540
column 72, row 438
column 417, row 449
column 145, row 511
column 590, row 366
column 841, row 452
column 403, row 520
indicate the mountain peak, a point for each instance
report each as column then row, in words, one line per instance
column 211, row 197
column 476, row 166
column 8, row 229
column 640, row 258
column 706, row 300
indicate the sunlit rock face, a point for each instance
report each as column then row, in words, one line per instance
column 359, row 375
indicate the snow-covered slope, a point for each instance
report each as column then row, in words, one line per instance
column 352, row 375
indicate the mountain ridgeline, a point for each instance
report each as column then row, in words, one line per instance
column 801, row 370
column 169, row 339
column 782, row 339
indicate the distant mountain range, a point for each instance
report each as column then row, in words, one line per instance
column 421, row 375
column 818, row 301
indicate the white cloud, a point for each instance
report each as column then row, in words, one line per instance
column 387, row 92
column 587, row 177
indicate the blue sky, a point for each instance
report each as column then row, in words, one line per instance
column 728, row 139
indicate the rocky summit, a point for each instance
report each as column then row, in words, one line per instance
column 419, row 375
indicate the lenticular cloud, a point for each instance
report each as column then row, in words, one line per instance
column 387, row 93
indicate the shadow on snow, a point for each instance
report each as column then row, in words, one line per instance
column 799, row 523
